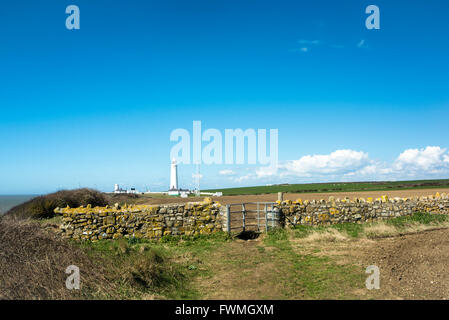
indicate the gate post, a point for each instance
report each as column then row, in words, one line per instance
column 228, row 218
column 258, row 216
column 243, row 214
column 280, row 196
column 266, row 217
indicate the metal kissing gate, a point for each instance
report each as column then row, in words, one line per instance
column 251, row 216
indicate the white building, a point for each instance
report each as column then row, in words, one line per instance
column 117, row 189
column 174, row 175
column 173, row 190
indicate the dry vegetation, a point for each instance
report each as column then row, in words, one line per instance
column 302, row 263
column 33, row 260
column 33, row 263
column 326, row 262
column 43, row 206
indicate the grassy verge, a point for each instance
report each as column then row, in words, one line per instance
column 307, row 275
column 388, row 227
column 144, row 269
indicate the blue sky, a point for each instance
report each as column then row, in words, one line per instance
column 95, row 106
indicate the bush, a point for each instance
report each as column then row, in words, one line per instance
column 33, row 262
column 44, row 206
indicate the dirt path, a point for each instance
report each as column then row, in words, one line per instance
column 240, row 271
column 413, row 266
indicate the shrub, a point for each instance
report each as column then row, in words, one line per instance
column 33, row 262
column 44, row 206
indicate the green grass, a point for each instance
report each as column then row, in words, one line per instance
column 336, row 187
column 165, row 268
column 357, row 230
column 353, row 230
column 309, row 276
column 417, row 218
column 175, row 267
column 320, row 277
column 140, row 273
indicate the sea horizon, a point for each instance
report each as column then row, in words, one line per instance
column 9, row 201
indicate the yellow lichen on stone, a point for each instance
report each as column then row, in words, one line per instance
column 153, row 209
column 384, row 198
column 299, row 201
column 207, row 200
column 334, row 211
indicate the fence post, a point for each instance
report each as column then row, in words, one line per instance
column 228, row 218
column 266, row 218
column 258, row 216
column 243, row 214
column 280, row 196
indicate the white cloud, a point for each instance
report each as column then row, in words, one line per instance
column 446, row 158
column 243, row 178
column 303, row 49
column 311, row 43
column 226, row 172
column 431, row 159
column 263, row 172
column 343, row 165
column 303, row 41
column 362, row 44
column 337, row 162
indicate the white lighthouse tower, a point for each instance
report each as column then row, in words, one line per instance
column 173, row 191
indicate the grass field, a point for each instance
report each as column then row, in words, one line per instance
column 336, row 187
column 283, row 264
column 326, row 262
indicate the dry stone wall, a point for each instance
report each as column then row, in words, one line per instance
column 194, row 218
column 325, row 212
column 140, row 221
